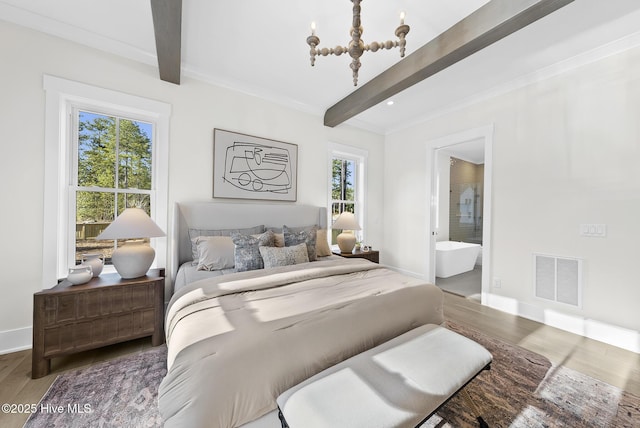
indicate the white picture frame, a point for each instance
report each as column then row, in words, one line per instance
column 250, row 167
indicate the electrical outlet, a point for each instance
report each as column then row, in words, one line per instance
column 497, row 283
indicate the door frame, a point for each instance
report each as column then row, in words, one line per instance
column 486, row 134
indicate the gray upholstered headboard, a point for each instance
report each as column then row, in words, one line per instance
column 229, row 215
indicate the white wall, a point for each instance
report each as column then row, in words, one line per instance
column 565, row 152
column 444, row 185
column 198, row 108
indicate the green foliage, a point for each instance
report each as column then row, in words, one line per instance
column 342, row 186
column 108, row 146
column 96, row 152
column 134, row 170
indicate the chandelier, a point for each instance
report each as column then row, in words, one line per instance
column 356, row 46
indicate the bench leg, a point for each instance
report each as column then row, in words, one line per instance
column 282, row 420
column 476, row 412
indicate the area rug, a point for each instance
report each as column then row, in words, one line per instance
column 522, row 389
column 122, row 392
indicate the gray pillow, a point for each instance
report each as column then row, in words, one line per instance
column 247, row 250
column 284, row 256
column 195, row 233
column 297, row 235
column 215, row 252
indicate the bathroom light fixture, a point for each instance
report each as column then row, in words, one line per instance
column 356, row 46
column 132, row 260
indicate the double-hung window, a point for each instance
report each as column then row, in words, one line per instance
column 104, row 151
column 347, row 185
column 112, row 170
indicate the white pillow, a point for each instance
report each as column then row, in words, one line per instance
column 284, row 256
column 215, row 252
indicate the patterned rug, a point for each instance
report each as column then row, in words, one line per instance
column 118, row 393
column 522, row 389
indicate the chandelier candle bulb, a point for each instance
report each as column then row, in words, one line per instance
column 313, row 28
column 402, row 17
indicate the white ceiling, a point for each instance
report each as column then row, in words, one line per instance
column 259, row 47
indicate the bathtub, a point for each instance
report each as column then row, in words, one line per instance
column 453, row 258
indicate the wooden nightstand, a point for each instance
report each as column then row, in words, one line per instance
column 108, row 309
column 372, row 255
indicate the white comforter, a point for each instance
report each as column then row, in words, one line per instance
column 237, row 341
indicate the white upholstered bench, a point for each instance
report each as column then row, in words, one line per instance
column 399, row 383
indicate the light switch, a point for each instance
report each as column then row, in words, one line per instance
column 593, row 230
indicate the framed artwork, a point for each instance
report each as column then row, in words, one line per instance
column 248, row 167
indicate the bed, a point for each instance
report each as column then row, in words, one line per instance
column 237, row 339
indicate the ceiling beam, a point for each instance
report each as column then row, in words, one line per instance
column 167, row 26
column 490, row 23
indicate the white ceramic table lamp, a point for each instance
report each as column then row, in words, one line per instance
column 347, row 222
column 132, row 260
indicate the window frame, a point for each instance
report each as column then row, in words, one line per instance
column 360, row 157
column 63, row 97
column 74, row 187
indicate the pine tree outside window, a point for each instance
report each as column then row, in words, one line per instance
column 105, row 151
column 114, row 159
column 343, row 186
column 347, row 185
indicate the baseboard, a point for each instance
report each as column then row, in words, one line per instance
column 603, row 332
column 403, row 271
column 15, row 340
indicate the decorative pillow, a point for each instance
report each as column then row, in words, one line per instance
column 215, row 252
column 322, row 244
column 279, row 239
column 195, row 233
column 247, row 253
column 279, row 236
column 297, row 235
column 277, row 256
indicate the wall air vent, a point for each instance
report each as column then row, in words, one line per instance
column 558, row 279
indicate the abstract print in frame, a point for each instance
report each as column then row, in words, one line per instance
column 248, row 167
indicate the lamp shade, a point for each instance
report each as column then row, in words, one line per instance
column 132, row 261
column 346, row 221
column 132, row 223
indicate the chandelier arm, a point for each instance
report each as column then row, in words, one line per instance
column 402, row 43
column 355, row 66
column 313, row 41
column 401, row 33
column 337, row 51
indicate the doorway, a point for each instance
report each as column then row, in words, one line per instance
column 460, row 184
